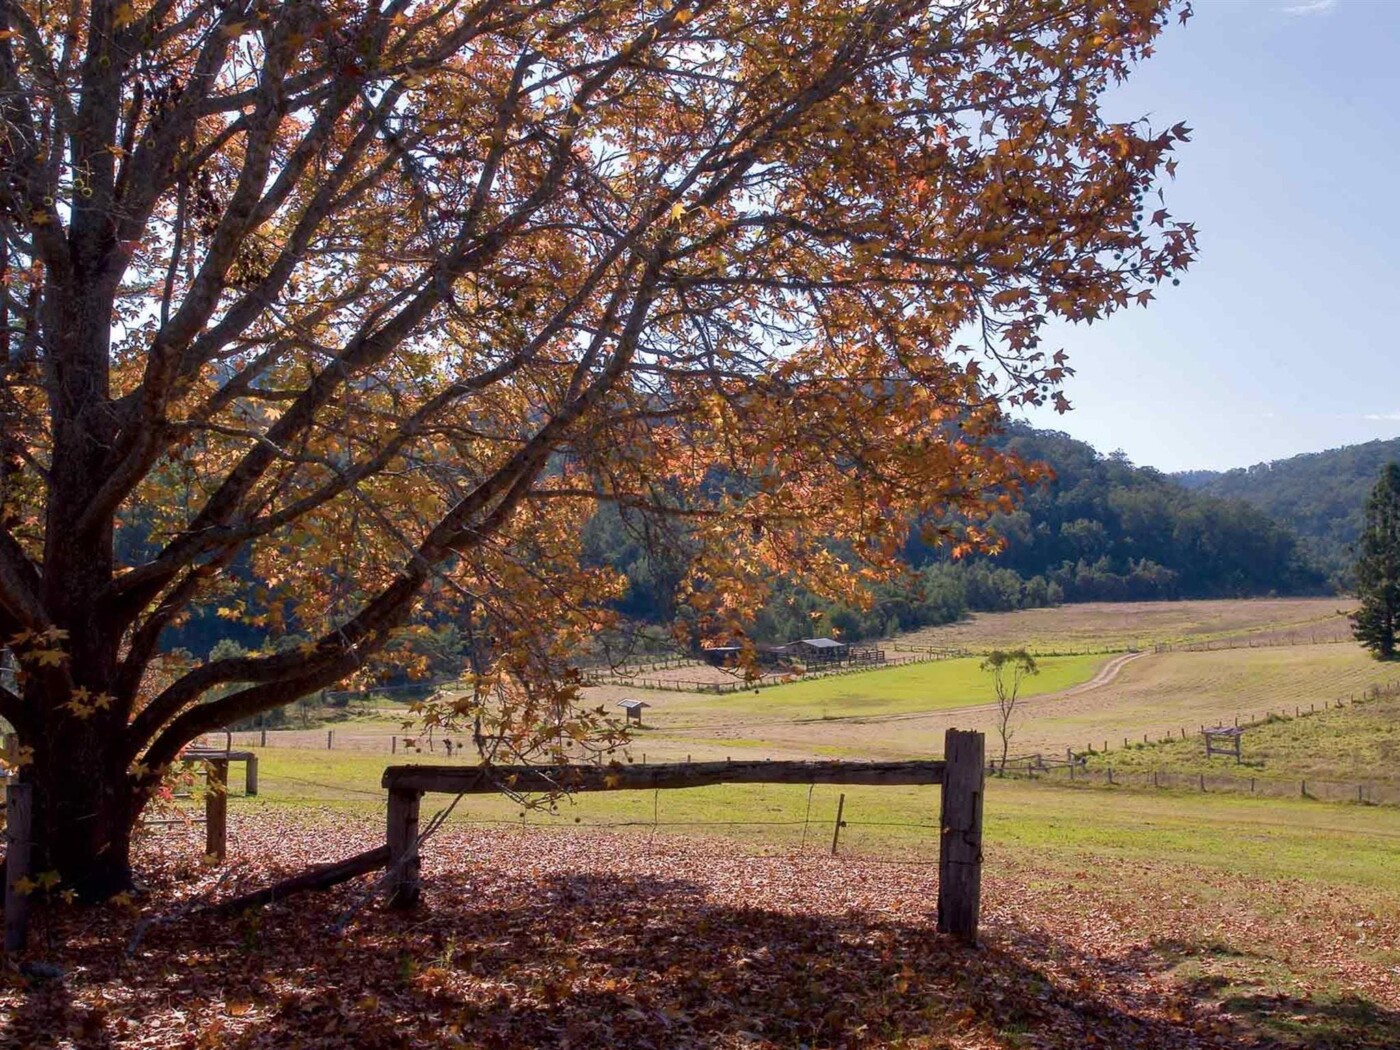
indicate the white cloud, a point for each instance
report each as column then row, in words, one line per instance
column 1313, row 7
column 1382, row 417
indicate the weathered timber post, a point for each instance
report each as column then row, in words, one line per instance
column 18, row 812
column 960, row 835
column 836, row 832
column 216, row 808
column 262, row 739
column 330, row 738
column 404, row 886
column 250, row 774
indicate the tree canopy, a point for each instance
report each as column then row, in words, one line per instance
column 374, row 303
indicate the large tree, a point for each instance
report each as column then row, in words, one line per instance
column 1378, row 567
column 370, row 304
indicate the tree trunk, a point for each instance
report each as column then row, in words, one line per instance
column 84, row 811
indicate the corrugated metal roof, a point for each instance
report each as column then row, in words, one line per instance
column 823, row 643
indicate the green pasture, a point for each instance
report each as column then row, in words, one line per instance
column 937, row 685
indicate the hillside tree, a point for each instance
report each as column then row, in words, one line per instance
column 1378, row 567
column 372, row 304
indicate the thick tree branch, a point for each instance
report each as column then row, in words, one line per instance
column 21, row 588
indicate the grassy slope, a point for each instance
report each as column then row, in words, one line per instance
column 1360, row 743
column 1163, row 693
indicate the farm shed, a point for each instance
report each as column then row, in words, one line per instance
column 818, row 651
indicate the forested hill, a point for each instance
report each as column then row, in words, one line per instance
column 1320, row 495
column 1104, row 529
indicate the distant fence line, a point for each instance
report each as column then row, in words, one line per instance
column 1375, row 793
column 1218, row 644
column 665, row 663
column 1086, row 650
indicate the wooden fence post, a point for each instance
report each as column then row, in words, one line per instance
column 960, row 835
column 216, row 808
column 250, row 778
column 404, row 886
column 18, row 812
column 836, row 832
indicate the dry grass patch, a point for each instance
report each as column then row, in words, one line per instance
column 1122, row 625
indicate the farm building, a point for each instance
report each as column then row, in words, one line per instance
column 815, row 652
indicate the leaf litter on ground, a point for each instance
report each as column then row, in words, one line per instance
column 580, row 939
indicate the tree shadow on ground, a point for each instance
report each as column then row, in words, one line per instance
column 614, row 960
column 1235, row 981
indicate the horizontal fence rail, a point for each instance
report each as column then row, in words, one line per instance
column 484, row 780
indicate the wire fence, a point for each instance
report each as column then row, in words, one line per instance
column 1375, row 793
column 826, row 823
column 1037, row 651
column 665, row 663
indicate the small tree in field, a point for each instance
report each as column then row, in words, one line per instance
column 1378, row 568
column 1008, row 670
column 343, row 319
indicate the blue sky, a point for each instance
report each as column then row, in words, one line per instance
column 1283, row 337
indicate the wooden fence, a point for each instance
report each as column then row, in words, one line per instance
column 960, row 774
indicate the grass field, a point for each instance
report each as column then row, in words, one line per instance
column 1153, row 694
column 904, row 711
